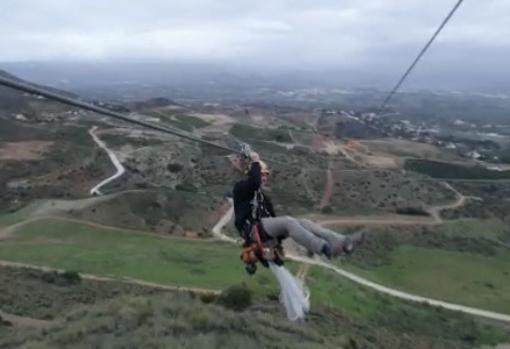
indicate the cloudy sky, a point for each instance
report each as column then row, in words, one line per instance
column 369, row 34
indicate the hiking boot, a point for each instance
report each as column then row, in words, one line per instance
column 326, row 250
column 353, row 241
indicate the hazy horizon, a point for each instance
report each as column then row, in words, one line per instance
column 366, row 44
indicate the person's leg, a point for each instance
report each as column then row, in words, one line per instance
column 285, row 226
column 339, row 243
column 329, row 235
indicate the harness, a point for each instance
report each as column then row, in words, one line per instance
column 259, row 247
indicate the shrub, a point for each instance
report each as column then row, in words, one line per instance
column 71, row 277
column 66, row 278
column 327, row 209
column 415, row 211
column 207, row 298
column 174, row 167
column 237, row 297
column 186, row 187
column 4, row 322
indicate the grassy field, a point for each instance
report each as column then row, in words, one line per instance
column 184, row 122
column 13, row 218
column 216, row 265
column 369, row 307
column 464, row 278
column 491, row 229
column 81, row 248
column 439, row 169
column 246, row 132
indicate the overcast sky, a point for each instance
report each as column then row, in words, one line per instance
column 368, row 34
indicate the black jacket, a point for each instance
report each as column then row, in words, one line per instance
column 244, row 192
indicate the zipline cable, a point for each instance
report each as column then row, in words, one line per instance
column 417, row 59
column 25, row 87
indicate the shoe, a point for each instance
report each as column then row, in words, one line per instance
column 326, row 250
column 353, row 241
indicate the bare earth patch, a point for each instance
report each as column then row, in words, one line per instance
column 30, row 150
column 380, row 161
column 400, row 147
column 215, row 119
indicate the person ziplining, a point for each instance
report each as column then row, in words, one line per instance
column 263, row 231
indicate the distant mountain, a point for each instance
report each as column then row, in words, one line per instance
column 158, row 102
column 12, row 100
column 7, row 75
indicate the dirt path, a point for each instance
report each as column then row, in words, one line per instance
column 224, row 220
column 8, row 232
column 217, row 231
column 293, row 254
column 302, row 273
column 328, row 188
column 395, row 219
column 403, row 295
column 435, row 211
column 23, row 321
column 109, row 279
column 304, row 182
column 53, row 207
column 116, row 162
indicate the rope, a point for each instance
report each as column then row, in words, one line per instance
column 417, row 59
column 25, row 87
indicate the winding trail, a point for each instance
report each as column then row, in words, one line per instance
column 23, row 321
column 224, row 220
column 304, row 182
column 85, row 276
column 403, row 295
column 380, row 288
column 7, row 233
column 328, row 188
column 399, row 219
column 116, row 162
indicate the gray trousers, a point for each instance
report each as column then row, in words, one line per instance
column 305, row 232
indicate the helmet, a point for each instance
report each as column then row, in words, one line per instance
column 264, row 169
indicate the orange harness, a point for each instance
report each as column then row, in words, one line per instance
column 255, row 252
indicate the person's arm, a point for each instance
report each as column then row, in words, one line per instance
column 254, row 180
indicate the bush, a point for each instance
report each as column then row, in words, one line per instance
column 71, row 277
column 4, row 322
column 208, row 298
column 174, row 167
column 415, row 211
column 238, row 297
column 327, row 209
column 66, row 278
column 186, row 186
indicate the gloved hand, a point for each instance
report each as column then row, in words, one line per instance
column 248, row 255
column 254, row 157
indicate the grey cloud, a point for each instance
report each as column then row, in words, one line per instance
column 349, row 34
